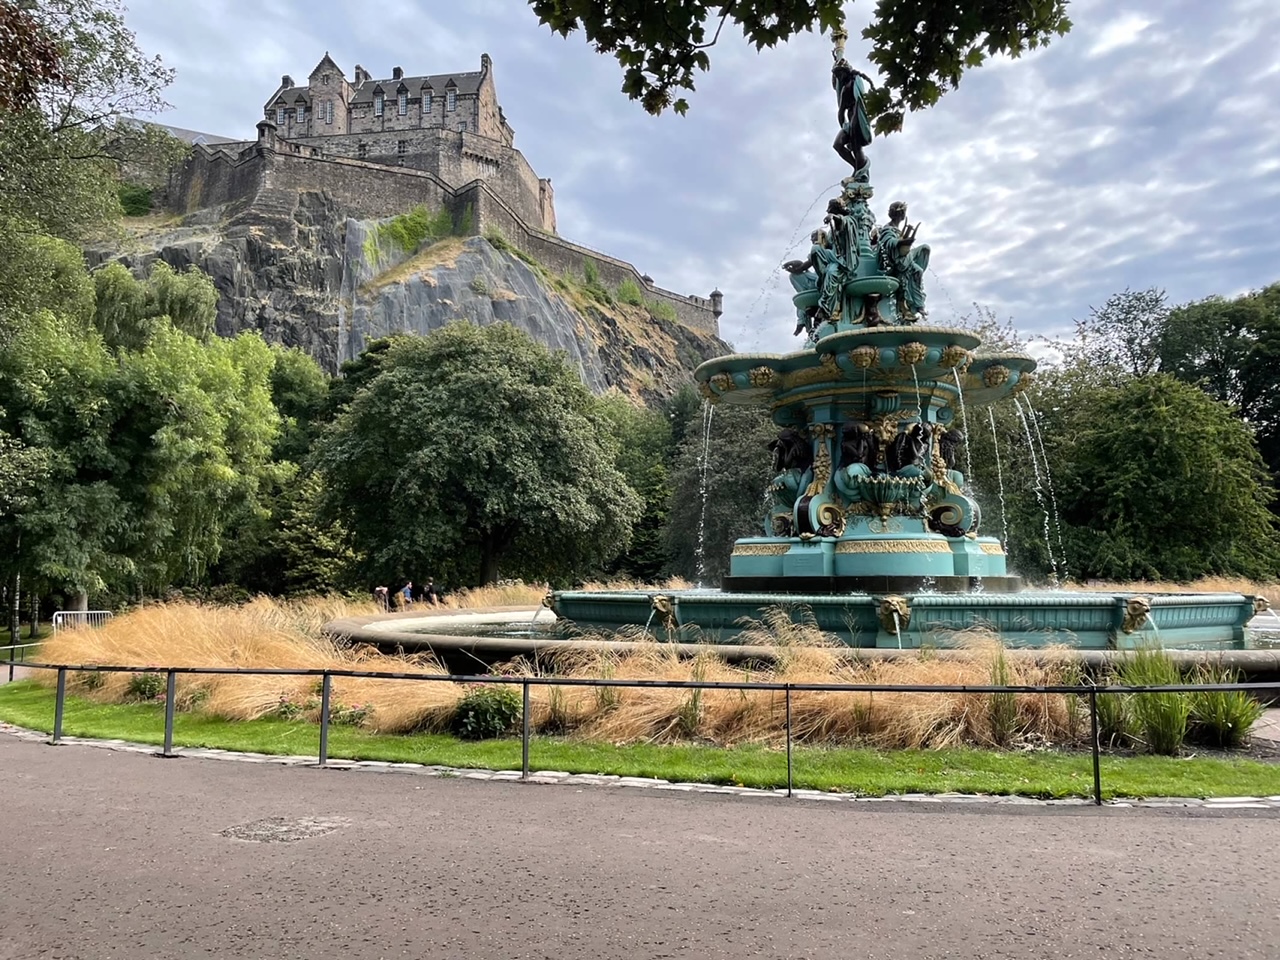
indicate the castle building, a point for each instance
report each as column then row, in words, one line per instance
column 449, row 125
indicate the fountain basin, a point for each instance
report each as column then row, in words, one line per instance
column 1087, row 621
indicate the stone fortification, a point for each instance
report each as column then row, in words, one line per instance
column 263, row 179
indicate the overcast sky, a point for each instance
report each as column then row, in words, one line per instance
column 1142, row 149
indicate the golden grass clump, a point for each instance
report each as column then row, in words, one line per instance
column 268, row 633
column 1203, row 585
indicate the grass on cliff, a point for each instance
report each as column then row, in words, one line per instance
column 865, row 771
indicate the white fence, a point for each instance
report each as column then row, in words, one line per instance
column 74, row 619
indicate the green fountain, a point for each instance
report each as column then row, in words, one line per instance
column 870, row 521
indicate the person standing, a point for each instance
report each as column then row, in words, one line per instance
column 407, row 592
column 429, row 593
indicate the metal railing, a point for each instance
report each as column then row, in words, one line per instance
column 69, row 619
column 526, row 683
column 14, row 661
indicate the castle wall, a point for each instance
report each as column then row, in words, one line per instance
column 368, row 190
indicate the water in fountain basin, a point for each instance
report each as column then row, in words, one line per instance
column 964, row 418
column 708, row 411
column 1004, row 518
column 1053, row 498
column 1039, row 489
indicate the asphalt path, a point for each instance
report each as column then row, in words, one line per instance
column 112, row 854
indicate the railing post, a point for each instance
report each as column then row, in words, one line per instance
column 524, row 732
column 788, row 693
column 170, row 695
column 11, row 652
column 1097, row 769
column 58, row 705
column 326, row 686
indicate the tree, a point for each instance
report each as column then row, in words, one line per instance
column 718, row 485
column 921, row 48
column 63, row 140
column 644, row 453
column 1164, row 483
column 129, row 312
column 29, row 58
column 1123, row 335
column 472, row 450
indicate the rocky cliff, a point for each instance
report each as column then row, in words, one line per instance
column 302, row 273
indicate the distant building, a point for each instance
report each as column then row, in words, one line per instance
column 447, row 124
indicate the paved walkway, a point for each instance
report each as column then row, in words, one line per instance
column 109, row 853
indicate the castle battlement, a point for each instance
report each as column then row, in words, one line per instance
column 382, row 147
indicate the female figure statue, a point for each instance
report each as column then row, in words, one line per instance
column 851, row 113
column 901, row 259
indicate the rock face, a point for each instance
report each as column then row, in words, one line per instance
column 305, row 275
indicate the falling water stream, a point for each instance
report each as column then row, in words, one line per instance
column 1053, row 498
column 1039, row 489
column 1004, row 517
column 897, row 628
column 964, row 417
column 708, row 412
column 919, row 403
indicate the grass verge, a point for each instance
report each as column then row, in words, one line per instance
column 865, row 771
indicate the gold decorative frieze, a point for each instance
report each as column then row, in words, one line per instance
column 993, row 549
column 892, row 546
column 761, row 549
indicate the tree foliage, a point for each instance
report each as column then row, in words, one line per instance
column 921, row 48
column 130, row 312
column 474, row 450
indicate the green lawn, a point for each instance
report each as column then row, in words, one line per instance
column 864, row 771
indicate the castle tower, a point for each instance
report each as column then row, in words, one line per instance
column 330, row 96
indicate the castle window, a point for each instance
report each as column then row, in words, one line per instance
column 325, row 79
column 428, row 101
column 377, row 104
column 362, row 150
column 302, row 112
column 402, row 104
column 451, row 100
column 402, row 147
column 279, row 116
column 328, row 111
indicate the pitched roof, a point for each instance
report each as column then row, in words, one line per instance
column 465, row 83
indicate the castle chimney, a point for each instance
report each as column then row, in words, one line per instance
column 717, row 303
column 286, row 81
column 397, row 73
column 359, row 74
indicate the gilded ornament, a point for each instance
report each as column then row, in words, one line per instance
column 995, row 375
column 665, row 610
column 1024, row 382
column 864, row 357
column 894, row 614
column 764, row 377
column 1136, row 612
column 831, row 520
column 723, row 382
column 1261, row 605
column 956, row 357
column 893, row 546
column 760, row 549
column 909, row 354
column 704, row 388
column 822, row 461
column 992, row 549
column 548, row 600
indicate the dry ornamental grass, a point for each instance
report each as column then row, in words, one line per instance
column 275, row 634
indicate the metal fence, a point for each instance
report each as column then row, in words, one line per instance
column 1091, row 693
column 68, row 619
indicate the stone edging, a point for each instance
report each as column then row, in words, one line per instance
column 608, row 780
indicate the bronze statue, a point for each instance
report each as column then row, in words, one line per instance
column 851, row 112
column 791, row 451
column 909, row 448
column 858, row 444
column 901, row 259
column 830, row 277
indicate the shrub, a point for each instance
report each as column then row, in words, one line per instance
column 497, row 239
column 661, row 310
column 590, row 272
column 479, row 287
column 629, row 292
column 1004, row 706
column 1221, row 718
column 1160, row 719
column 486, row 710
column 351, row 716
column 145, row 686
column 135, row 199
column 90, row 679
column 1113, row 719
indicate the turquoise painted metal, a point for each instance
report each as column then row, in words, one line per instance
column 870, row 524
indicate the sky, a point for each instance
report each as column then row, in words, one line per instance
column 1140, row 150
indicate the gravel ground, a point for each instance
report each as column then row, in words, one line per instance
column 117, row 854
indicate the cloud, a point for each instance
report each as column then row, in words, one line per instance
column 1139, row 150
